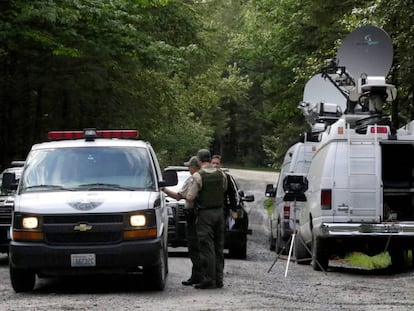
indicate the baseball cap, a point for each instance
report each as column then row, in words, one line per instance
column 204, row 155
column 192, row 162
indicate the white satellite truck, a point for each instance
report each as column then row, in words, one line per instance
column 360, row 184
column 322, row 104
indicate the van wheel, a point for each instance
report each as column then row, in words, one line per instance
column 156, row 275
column 22, row 280
column 272, row 240
column 320, row 254
column 279, row 242
column 239, row 252
column 302, row 255
column 398, row 258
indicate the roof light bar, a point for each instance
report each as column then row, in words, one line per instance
column 90, row 134
column 61, row 135
column 117, row 133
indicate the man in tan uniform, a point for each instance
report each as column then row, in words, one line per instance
column 193, row 245
column 207, row 192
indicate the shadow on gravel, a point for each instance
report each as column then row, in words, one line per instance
column 4, row 260
column 92, row 284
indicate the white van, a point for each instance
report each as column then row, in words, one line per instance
column 297, row 160
column 89, row 202
column 361, row 192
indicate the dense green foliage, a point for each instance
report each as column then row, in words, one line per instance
column 223, row 74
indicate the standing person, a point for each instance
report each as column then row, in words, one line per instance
column 230, row 195
column 207, row 191
column 192, row 244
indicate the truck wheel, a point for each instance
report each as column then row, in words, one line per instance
column 22, row 280
column 272, row 242
column 398, row 258
column 302, row 255
column 320, row 254
column 279, row 242
column 239, row 252
column 156, row 275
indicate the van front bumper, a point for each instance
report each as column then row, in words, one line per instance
column 56, row 260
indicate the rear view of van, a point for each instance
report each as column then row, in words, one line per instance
column 282, row 220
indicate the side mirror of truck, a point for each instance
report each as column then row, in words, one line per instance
column 170, row 178
column 270, row 190
column 295, row 187
column 9, row 181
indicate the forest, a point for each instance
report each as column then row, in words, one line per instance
column 226, row 75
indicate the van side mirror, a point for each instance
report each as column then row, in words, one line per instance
column 270, row 190
column 9, row 181
column 295, row 187
column 170, row 178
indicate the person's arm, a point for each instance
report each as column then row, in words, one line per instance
column 175, row 195
column 194, row 188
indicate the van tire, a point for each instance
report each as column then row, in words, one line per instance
column 272, row 242
column 156, row 275
column 302, row 255
column 239, row 252
column 280, row 244
column 398, row 258
column 22, row 280
column 320, row 254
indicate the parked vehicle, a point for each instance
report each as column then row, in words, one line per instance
column 89, row 202
column 236, row 230
column 283, row 220
column 361, row 180
column 10, row 175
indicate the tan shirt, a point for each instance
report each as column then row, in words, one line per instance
column 184, row 191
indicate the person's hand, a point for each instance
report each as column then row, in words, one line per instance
column 234, row 214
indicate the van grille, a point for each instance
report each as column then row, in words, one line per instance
column 6, row 215
column 83, row 229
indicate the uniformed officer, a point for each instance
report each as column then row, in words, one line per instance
column 231, row 206
column 192, row 239
column 207, row 192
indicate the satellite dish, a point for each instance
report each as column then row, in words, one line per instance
column 319, row 89
column 367, row 50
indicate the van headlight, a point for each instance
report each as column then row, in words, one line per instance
column 137, row 220
column 140, row 225
column 30, row 222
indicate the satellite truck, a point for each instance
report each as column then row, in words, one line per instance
column 323, row 104
column 360, row 194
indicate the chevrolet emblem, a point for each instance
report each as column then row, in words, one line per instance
column 82, row 227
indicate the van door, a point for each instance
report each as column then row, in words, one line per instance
column 356, row 194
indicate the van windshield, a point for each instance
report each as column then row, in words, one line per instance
column 88, row 168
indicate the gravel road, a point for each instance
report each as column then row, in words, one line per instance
column 248, row 284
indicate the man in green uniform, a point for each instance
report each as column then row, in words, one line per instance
column 192, row 244
column 207, row 191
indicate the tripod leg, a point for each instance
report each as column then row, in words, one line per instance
column 278, row 255
column 290, row 252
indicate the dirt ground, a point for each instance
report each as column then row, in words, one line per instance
column 251, row 284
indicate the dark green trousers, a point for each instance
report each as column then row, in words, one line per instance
column 210, row 231
column 193, row 247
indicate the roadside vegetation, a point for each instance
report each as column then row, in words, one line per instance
column 223, row 74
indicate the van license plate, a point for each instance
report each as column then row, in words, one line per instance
column 83, row 260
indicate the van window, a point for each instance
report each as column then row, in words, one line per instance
column 82, row 167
